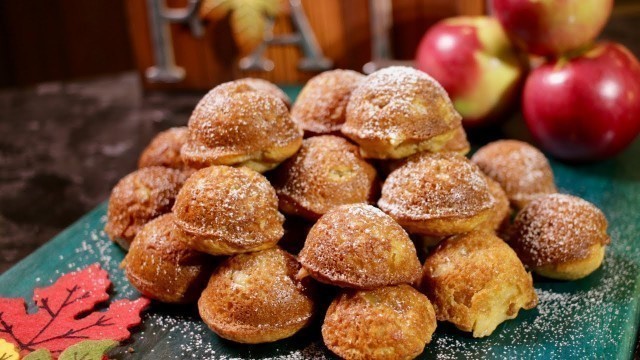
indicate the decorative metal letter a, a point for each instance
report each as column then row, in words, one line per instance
column 303, row 37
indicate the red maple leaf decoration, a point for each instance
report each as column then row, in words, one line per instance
column 65, row 313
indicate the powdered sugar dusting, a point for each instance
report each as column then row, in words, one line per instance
column 238, row 122
column 236, row 205
column 397, row 104
column 360, row 246
column 432, row 186
column 522, row 170
column 327, row 171
column 321, row 105
column 556, row 228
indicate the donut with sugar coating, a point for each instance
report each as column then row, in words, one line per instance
column 326, row 172
column 437, row 194
column 399, row 111
column 560, row 236
column 255, row 298
column 359, row 246
column 223, row 210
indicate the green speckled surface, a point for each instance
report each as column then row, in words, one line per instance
column 596, row 317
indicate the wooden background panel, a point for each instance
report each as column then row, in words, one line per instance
column 412, row 18
column 341, row 28
column 43, row 40
column 213, row 58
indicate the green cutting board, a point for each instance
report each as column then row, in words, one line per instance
column 596, row 317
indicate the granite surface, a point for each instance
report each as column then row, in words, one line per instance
column 64, row 146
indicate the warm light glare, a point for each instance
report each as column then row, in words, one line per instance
column 446, row 42
column 557, row 78
column 609, row 89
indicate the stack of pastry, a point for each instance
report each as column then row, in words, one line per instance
column 199, row 208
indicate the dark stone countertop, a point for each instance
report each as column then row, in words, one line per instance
column 65, row 145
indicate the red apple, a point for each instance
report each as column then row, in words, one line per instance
column 552, row 27
column 474, row 61
column 585, row 108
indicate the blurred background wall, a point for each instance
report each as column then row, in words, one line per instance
column 45, row 40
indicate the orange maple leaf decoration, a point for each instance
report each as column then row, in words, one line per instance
column 66, row 314
column 248, row 18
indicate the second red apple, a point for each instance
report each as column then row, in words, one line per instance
column 587, row 107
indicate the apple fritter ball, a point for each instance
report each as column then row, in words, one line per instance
column 560, row 236
column 393, row 322
column 321, row 106
column 164, row 149
column 437, row 195
column 161, row 266
column 255, row 298
column 399, row 111
column 476, row 282
column 237, row 125
column 139, row 198
column 522, row 170
column 223, row 210
column 361, row 247
column 326, row 172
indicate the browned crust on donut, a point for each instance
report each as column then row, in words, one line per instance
column 162, row 267
column 437, row 194
column 458, row 143
column 140, row 197
column 394, row 322
column 321, row 106
column 574, row 269
column 522, row 170
column 164, row 149
column 501, row 212
column 359, row 246
column 223, row 210
column 255, row 298
column 398, row 111
column 240, row 126
column 267, row 87
column 446, row 226
column 557, row 228
column 476, row 281
column 326, row 172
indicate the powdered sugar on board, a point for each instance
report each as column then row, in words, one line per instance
column 582, row 319
column 175, row 332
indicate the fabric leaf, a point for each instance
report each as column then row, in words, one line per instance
column 269, row 7
column 247, row 25
column 66, row 314
column 88, row 350
column 8, row 351
column 40, row 354
column 215, row 9
column 248, row 18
